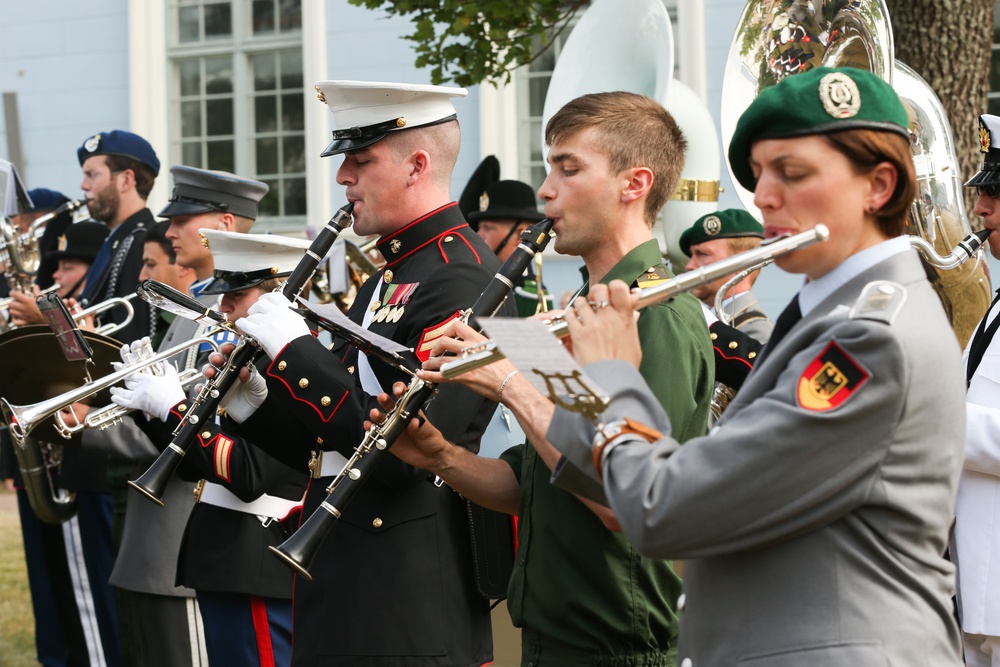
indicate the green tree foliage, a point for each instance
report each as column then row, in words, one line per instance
column 480, row 41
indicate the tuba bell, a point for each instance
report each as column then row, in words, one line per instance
column 778, row 38
column 35, row 369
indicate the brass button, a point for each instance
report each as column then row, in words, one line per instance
column 752, row 355
column 282, row 365
column 377, row 522
column 449, row 238
column 303, row 383
column 206, row 434
column 387, row 276
column 325, row 401
column 181, row 407
column 319, row 441
column 350, row 369
column 714, row 335
column 733, row 345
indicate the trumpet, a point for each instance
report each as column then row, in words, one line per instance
column 23, row 419
column 98, row 308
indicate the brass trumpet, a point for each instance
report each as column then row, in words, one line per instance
column 23, row 419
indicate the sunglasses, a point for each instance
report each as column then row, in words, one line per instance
column 991, row 191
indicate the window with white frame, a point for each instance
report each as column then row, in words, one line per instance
column 237, row 97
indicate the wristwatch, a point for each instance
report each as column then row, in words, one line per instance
column 615, row 433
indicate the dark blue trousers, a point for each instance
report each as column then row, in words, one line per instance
column 245, row 630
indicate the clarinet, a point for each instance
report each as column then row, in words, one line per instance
column 153, row 483
column 299, row 550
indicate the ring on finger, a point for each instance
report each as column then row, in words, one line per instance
column 601, row 304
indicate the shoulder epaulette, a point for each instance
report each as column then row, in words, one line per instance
column 654, row 275
column 880, row 300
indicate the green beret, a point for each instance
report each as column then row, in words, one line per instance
column 728, row 224
column 819, row 101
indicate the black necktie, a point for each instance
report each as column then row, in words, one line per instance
column 789, row 318
column 981, row 341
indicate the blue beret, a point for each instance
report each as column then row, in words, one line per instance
column 43, row 199
column 119, row 142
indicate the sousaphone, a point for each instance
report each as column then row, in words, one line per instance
column 778, row 38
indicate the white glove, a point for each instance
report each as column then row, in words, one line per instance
column 153, row 394
column 243, row 399
column 272, row 324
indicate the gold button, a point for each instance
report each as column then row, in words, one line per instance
column 206, row 434
column 377, row 522
column 325, row 401
column 350, row 369
column 282, row 365
column 181, row 407
column 387, row 276
column 303, row 383
column 752, row 355
column 714, row 335
column 733, row 345
column 319, row 441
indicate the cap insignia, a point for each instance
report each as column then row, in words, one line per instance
column 204, row 239
column 839, row 95
column 274, row 270
column 62, row 243
column 90, row 145
column 319, row 94
column 712, row 225
column 484, row 202
column 400, row 122
column 395, row 245
column 984, row 138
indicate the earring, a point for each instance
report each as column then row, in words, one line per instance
column 871, row 208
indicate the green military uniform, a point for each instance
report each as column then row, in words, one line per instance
column 582, row 594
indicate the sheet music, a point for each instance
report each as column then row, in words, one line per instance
column 13, row 196
column 543, row 360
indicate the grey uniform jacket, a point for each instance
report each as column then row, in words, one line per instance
column 813, row 535
column 743, row 304
column 151, row 539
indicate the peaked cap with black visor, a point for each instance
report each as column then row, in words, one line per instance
column 367, row 111
column 201, row 190
column 989, row 144
column 243, row 261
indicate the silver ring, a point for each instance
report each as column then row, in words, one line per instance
column 601, row 304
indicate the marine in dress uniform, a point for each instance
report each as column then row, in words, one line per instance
column 812, row 519
column 976, row 527
column 393, row 582
column 244, row 497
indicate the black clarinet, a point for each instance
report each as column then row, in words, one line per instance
column 153, row 483
column 299, row 550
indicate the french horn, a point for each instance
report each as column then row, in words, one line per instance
column 778, row 38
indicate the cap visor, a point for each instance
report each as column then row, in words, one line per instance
column 338, row 146
column 983, row 178
column 176, row 208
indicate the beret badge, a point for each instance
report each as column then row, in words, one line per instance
column 91, row 145
column 712, row 225
column 839, row 95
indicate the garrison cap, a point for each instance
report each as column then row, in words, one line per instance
column 119, row 142
column 43, row 199
column 200, row 191
column 81, row 240
column 820, row 101
column 726, row 224
column 366, row 111
column 247, row 260
column 989, row 145
column 506, row 200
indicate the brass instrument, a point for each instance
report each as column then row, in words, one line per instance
column 34, row 369
column 775, row 39
column 108, row 304
column 24, row 419
column 360, row 267
column 19, row 251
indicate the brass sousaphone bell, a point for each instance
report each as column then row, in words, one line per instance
column 775, row 39
column 35, row 369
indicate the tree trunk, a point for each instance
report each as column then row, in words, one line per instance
column 949, row 44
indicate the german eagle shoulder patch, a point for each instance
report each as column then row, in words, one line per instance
column 830, row 379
